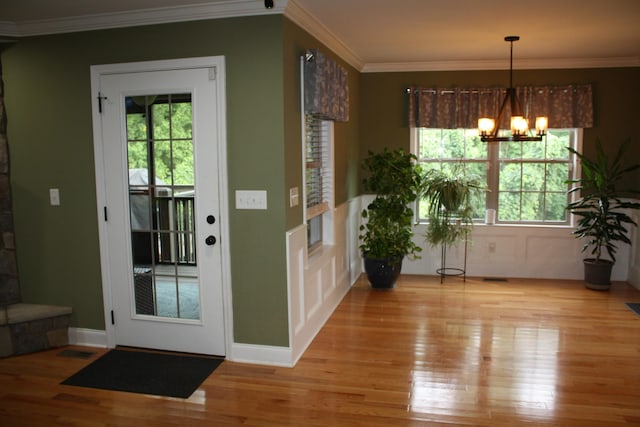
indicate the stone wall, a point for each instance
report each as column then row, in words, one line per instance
column 9, row 285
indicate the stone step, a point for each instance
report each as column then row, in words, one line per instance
column 26, row 328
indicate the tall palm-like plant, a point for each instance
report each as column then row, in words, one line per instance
column 602, row 217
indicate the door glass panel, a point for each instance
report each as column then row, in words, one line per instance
column 161, row 195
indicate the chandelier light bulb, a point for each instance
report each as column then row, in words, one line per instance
column 486, row 125
column 542, row 124
column 519, row 125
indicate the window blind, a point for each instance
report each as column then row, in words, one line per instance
column 317, row 169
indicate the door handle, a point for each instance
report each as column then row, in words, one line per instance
column 210, row 240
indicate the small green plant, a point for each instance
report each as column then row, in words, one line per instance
column 395, row 178
column 602, row 220
column 450, row 210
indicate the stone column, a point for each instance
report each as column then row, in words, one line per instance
column 9, row 285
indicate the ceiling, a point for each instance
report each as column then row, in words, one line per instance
column 385, row 35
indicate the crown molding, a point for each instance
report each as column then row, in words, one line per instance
column 522, row 64
column 300, row 16
column 309, row 23
column 164, row 15
column 8, row 29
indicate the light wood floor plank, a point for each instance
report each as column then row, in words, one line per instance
column 474, row 353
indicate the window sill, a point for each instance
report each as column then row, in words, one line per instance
column 509, row 225
column 320, row 255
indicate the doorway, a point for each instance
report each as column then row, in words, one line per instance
column 161, row 177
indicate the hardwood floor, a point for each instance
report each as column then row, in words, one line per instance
column 522, row 352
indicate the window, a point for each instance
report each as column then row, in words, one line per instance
column 318, row 179
column 526, row 180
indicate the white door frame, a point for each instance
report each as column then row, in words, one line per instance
column 213, row 62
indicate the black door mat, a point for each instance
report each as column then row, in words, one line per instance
column 160, row 374
column 634, row 306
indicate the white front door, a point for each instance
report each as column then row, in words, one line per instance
column 159, row 132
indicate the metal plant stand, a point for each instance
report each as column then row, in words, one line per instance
column 445, row 271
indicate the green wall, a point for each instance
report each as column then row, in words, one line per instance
column 383, row 103
column 50, row 136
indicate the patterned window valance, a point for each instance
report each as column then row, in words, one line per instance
column 326, row 88
column 566, row 106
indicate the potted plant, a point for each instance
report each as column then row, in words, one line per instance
column 601, row 211
column 386, row 235
column 450, row 210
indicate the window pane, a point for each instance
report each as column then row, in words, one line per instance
column 160, row 121
column 183, row 162
column 429, row 144
column 181, row 123
column 453, row 144
column 510, row 176
column 533, row 176
column 476, row 149
column 447, row 150
column 509, row 206
column 557, row 174
column 555, row 207
column 137, row 154
column 423, row 209
column 314, row 231
column 162, row 161
column 533, row 150
column 531, row 206
column 136, row 127
column 479, row 200
column 510, row 150
column 557, row 143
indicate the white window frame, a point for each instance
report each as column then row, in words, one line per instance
column 324, row 209
column 493, row 164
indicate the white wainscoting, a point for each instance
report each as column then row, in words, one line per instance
column 522, row 252
column 519, row 252
column 317, row 283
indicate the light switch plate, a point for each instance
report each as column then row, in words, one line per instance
column 293, row 197
column 54, row 197
column 251, row 199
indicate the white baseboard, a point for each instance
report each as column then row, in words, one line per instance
column 88, row 337
column 261, row 355
column 241, row 353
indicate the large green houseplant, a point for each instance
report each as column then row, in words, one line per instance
column 603, row 220
column 386, row 234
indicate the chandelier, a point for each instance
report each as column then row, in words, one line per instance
column 488, row 128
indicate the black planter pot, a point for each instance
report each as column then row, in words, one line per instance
column 382, row 273
column 597, row 275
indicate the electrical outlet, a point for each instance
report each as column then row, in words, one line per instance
column 251, row 199
column 54, row 197
column 492, row 247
